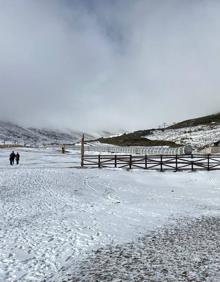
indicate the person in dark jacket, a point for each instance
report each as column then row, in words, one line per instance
column 12, row 158
column 17, row 157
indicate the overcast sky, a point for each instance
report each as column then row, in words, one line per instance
column 108, row 64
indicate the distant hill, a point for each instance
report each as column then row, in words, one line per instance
column 136, row 138
column 199, row 133
column 12, row 133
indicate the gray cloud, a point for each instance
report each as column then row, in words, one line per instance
column 93, row 65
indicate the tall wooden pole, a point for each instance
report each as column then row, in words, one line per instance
column 82, row 151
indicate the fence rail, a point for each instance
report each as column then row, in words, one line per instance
column 154, row 162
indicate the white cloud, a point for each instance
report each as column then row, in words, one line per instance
column 107, row 64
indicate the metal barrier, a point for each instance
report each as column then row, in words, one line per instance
column 134, row 150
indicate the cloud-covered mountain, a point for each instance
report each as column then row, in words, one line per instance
column 13, row 133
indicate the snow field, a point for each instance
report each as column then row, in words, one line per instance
column 53, row 215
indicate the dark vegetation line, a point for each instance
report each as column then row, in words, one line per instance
column 133, row 139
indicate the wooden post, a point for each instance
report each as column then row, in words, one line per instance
column 99, row 161
column 192, row 162
column 130, row 162
column 63, row 149
column 176, row 163
column 115, row 160
column 82, row 150
column 208, row 162
column 145, row 161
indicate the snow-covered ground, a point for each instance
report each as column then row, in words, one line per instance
column 197, row 136
column 53, row 214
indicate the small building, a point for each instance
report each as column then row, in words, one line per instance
column 212, row 149
column 188, row 149
column 215, row 149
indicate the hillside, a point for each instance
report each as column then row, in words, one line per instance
column 199, row 133
column 11, row 133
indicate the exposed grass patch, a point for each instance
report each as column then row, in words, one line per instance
column 134, row 139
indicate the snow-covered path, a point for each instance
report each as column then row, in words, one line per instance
column 52, row 215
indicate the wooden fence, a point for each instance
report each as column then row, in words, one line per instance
column 154, row 162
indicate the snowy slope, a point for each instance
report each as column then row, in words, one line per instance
column 198, row 132
column 197, row 136
column 12, row 133
column 52, row 215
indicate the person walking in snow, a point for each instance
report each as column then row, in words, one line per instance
column 17, row 158
column 12, row 158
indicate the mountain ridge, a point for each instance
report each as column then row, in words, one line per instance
column 198, row 132
column 16, row 134
column 203, row 120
